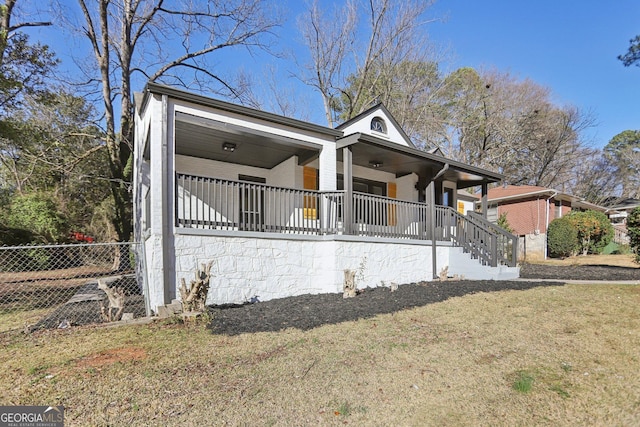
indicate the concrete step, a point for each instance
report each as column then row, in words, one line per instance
column 463, row 265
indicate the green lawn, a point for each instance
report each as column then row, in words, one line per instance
column 557, row 356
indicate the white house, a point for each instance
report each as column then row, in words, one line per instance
column 283, row 207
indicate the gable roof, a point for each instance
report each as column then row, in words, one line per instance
column 379, row 106
column 256, row 147
column 435, row 150
column 625, row 204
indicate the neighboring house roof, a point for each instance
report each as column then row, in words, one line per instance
column 470, row 197
column 519, row 192
column 626, row 204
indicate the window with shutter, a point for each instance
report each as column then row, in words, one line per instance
column 391, row 192
column 310, row 182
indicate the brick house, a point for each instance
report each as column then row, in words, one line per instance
column 529, row 210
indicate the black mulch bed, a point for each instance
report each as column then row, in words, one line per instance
column 579, row 272
column 310, row 311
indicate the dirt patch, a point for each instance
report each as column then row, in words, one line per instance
column 109, row 357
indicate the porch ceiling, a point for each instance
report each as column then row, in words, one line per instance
column 204, row 138
column 402, row 160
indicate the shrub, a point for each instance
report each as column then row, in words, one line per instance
column 633, row 228
column 594, row 230
column 562, row 238
column 503, row 222
column 38, row 213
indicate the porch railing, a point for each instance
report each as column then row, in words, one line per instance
column 504, row 244
column 379, row 216
column 220, row 204
column 485, row 241
column 620, row 234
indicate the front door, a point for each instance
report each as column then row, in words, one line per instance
column 251, row 203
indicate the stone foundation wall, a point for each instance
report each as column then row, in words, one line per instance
column 246, row 268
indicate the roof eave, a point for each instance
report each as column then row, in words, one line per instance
column 173, row 92
column 360, row 137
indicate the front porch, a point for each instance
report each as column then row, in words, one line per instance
column 232, row 206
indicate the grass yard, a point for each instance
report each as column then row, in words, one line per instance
column 558, row 356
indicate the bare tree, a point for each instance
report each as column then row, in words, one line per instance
column 161, row 43
column 593, row 178
column 510, row 125
column 623, row 151
column 328, row 40
column 549, row 146
column 24, row 66
column 343, row 45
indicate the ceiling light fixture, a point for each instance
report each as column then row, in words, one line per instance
column 228, row 146
column 375, row 164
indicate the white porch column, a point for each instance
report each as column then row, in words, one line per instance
column 347, row 212
column 327, row 167
column 431, row 200
column 327, row 182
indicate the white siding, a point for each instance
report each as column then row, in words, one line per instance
column 407, row 187
column 364, row 126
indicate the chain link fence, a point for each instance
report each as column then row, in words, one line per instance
column 59, row 286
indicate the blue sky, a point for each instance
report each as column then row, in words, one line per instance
column 568, row 46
